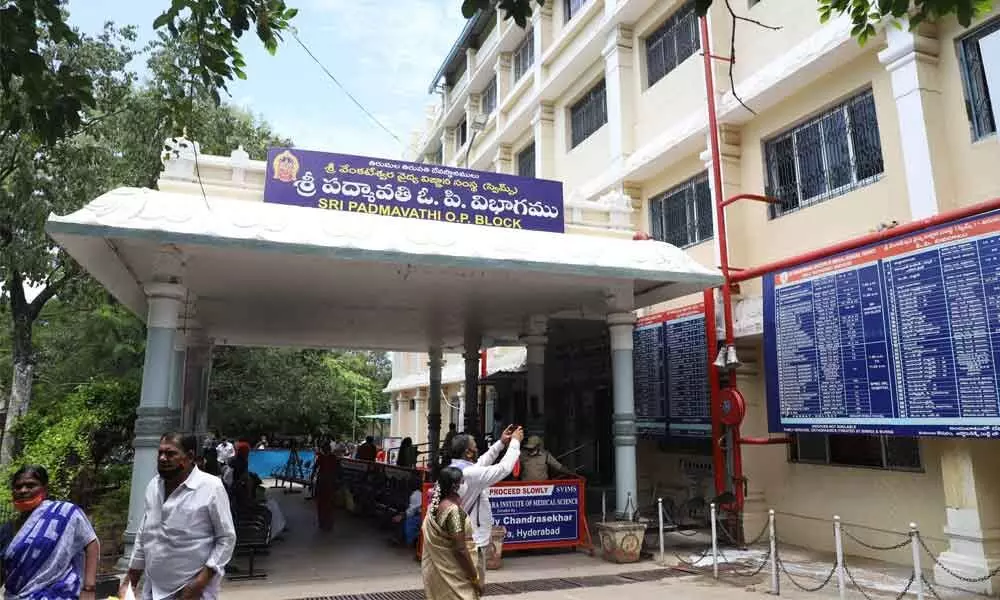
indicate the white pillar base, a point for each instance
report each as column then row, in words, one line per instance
column 972, row 554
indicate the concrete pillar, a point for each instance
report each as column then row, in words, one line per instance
column 543, row 123
column 541, row 30
column 626, row 479
column 197, row 356
column 535, row 340
column 911, row 58
column 473, row 342
column 503, row 162
column 448, row 146
column 435, row 364
column 155, row 416
column 178, row 362
column 419, row 414
column 619, row 80
column 505, row 81
column 972, row 509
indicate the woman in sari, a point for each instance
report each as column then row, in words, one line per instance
column 326, row 464
column 37, row 564
column 448, row 569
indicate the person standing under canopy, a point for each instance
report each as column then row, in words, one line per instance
column 186, row 537
column 50, row 549
column 479, row 475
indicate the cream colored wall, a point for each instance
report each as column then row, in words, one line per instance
column 974, row 164
column 574, row 166
column 754, row 239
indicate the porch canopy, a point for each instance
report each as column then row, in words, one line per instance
column 271, row 275
column 204, row 259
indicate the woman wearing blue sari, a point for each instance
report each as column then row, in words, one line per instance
column 50, row 550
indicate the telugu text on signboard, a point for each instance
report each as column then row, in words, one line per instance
column 412, row 190
column 897, row 338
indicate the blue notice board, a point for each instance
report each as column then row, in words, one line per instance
column 896, row 338
column 671, row 386
column 539, row 514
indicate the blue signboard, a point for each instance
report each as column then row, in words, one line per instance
column 396, row 188
column 671, row 386
column 539, row 514
column 896, row 338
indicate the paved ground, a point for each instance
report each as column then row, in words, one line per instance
column 355, row 558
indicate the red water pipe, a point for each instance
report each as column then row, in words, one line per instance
column 765, row 441
column 482, row 364
column 718, row 458
column 871, row 238
column 727, row 300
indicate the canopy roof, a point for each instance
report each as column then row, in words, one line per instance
column 272, row 275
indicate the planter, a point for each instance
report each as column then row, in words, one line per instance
column 494, row 552
column 621, row 541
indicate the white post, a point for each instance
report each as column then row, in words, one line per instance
column 773, row 538
column 604, row 506
column 659, row 514
column 715, row 545
column 918, row 579
column 838, row 543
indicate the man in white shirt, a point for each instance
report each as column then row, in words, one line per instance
column 187, row 535
column 225, row 452
column 477, row 477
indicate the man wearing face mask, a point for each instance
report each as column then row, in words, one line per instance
column 187, row 536
column 477, row 477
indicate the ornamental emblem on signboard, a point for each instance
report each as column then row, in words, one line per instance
column 783, row 277
column 286, row 167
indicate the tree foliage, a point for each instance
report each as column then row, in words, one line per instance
column 59, row 92
column 865, row 14
column 269, row 391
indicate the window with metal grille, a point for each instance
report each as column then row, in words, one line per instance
column 682, row 216
column 833, row 153
column 526, row 161
column 461, row 134
column 524, row 56
column 589, row 114
column 489, row 101
column 672, row 43
column 573, row 7
column 871, row 451
column 978, row 105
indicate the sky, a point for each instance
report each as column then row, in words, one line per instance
column 386, row 57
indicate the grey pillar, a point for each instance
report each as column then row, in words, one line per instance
column 178, row 368
column 621, row 325
column 434, row 408
column 535, row 340
column 471, row 356
column 154, row 415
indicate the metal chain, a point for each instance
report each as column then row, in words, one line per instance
column 986, row 577
column 764, row 561
column 930, row 587
column 758, row 538
column 695, row 562
column 826, row 581
column 857, row 586
column 902, row 544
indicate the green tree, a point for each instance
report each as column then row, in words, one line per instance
column 865, row 14
column 59, row 92
column 119, row 144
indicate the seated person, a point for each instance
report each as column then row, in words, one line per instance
column 410, row 519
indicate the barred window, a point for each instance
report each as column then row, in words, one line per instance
column 672, row 43
column 526, row 161
column 589, row 114
column 461, row 134
column 573, row 7
column 973, row 59
column 872, row 451
column 524, row 56
column 838, row 151
column 489, row 101
column 682, row 216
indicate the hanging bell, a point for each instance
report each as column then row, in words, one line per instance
column 720, row 359
column 732, row 361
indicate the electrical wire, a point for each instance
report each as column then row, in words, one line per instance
column 295, row 34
